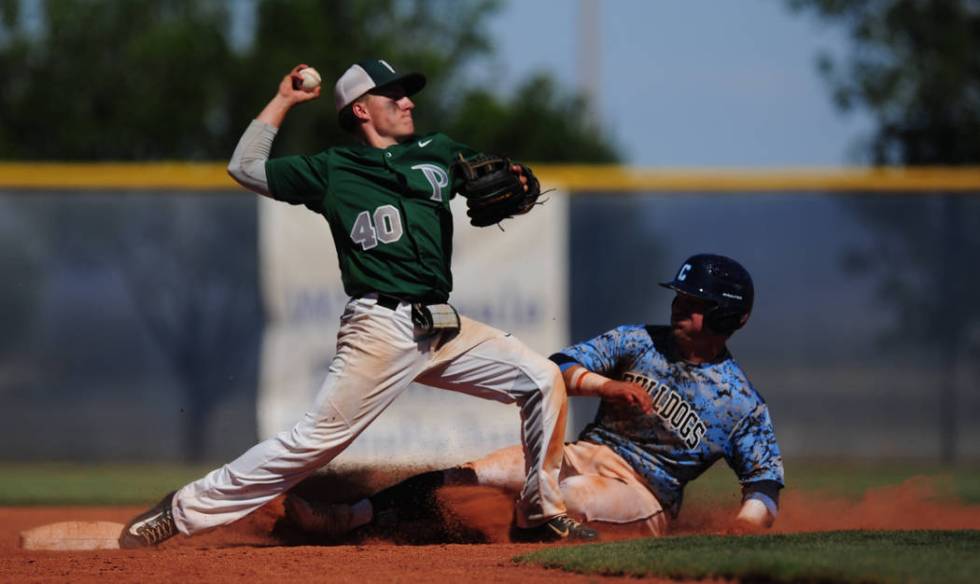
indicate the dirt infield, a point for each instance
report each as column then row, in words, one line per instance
column 914, row 504
column 262, row 547
column 252, row 551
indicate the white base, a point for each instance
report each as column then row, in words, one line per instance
column 73, row 535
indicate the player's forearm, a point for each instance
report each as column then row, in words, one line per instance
column 247, row 164
column 275, row 111
column 582, row 382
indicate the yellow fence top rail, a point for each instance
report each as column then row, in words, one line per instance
column 212, row 176
column 113, row 175
column 622, row 178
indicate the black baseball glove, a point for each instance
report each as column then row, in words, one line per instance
column 493, row 192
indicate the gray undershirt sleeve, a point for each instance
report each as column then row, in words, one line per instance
column 247, row 165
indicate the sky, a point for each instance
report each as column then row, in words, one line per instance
column 692, row 83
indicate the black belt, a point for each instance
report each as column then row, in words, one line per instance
column 391, row 302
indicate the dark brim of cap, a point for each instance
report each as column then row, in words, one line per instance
column 411, row 82
column 680, row 289
column 697, row 293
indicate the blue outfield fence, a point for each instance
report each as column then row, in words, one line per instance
column 133, row 325
column 133, row 315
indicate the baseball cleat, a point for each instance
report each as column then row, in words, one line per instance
column 558, row 528
column 332, row 520
column 150, row 528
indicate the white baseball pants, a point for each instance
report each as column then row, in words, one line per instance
column 596, row 484
column 377, row 358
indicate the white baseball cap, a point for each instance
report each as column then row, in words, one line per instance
column 366, row 75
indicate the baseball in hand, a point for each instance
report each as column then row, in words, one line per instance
column 310, row 77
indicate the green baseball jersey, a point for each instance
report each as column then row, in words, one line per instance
column 388, row 211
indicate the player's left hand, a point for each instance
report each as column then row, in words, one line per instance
column 496, row 188
column 631, row 394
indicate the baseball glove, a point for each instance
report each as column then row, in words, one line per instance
column 493, row 192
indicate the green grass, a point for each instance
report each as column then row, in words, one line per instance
column 119, row 484
column 75, row 484
column 851, row 556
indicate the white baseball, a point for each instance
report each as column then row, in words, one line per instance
column 311, row 78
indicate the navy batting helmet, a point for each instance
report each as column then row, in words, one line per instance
column 720, row 280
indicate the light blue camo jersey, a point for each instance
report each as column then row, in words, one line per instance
column 701, row 413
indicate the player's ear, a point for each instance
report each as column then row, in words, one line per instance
column 359, row 109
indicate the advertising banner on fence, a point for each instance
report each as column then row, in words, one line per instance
column 512, row 278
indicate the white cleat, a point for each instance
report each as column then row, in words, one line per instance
column 151, row 527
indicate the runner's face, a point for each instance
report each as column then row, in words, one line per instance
column 687, row 315
column 391, row 112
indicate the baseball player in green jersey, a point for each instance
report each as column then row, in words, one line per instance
column 386, row 200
